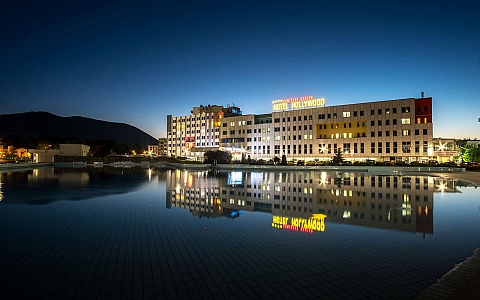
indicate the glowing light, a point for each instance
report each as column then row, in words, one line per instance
column 323, row 149
column 323, row 178
column 442, row 187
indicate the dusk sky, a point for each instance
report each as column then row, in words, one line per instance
column 135, row 62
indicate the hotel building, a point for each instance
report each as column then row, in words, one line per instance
column 305, row 129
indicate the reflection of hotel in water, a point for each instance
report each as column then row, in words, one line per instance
column 391, row 202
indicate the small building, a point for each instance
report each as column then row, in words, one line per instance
column 153, row 150
column 162, row 147
column 445, row 149
column 43, row 156
column 74, row 150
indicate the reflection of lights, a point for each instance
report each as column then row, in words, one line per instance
column 323, row 177
column 149, row 174
column 1, row 193
column 442, row 187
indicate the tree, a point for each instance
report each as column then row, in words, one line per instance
column 243, row 158
column 470, row 153
column 276, row 160
column 217, row 157
column 338, row 158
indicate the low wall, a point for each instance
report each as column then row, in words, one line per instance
column 370, row 169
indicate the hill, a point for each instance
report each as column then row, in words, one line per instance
column 47, row 126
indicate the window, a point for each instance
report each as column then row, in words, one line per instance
column 387, row 122
column 361, row 113
column 346, row 114
column 372, row 134
column 405, row 121
column 249, row 122
column 362, row 148
column 379, row 133
column 372, row 148
column 379, row 122
column 394, row 133
column 406, row 147
column 372, row 112
column 387, row 148
column 417, row 146
column 417, row 132
column 395, row 148
column 405, row 109
column 405, row 132
column 379, row 111
column 355, row 113
column 372, row 123
column 394, row 110
column 425, row 132
column 379, row 147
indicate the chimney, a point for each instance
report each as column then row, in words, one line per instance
column 422, row 94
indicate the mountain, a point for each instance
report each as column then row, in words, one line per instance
column 44, row 125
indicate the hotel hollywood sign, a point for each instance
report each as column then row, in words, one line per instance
column 297, row 103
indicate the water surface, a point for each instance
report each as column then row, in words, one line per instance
column 156, row 233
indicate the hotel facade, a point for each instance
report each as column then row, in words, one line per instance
column 305, row 129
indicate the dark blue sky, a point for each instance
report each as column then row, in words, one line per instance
column 135, row 62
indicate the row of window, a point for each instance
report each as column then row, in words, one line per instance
column 406, row 147
column 405, row 132
column 188, row 119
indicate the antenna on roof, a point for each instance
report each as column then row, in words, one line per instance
column 422, row 94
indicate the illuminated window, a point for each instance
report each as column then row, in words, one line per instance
column 405, row 132
column 405, row 121
column 346, row 114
